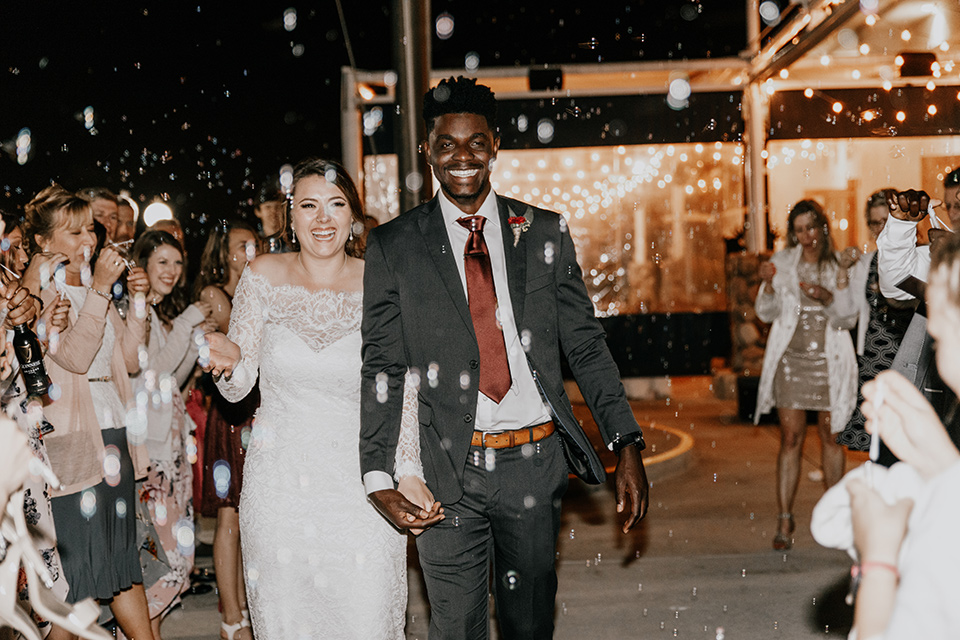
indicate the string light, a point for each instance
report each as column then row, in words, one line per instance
column 901, row 116
column 808, row 93
column 932, row 109
column 837, row 107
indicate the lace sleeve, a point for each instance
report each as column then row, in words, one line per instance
column 407, row 462
column 246, row 331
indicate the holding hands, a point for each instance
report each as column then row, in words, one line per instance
column 224, row 355
column 404, row 514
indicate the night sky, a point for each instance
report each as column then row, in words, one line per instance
column 200, row 102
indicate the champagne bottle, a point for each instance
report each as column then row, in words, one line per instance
column 27, row 348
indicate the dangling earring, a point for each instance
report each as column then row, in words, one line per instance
column 293, row 234
column 350, row 237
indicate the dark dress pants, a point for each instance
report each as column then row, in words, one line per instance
column 508, row 517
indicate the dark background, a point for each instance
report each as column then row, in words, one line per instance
column 199, row 103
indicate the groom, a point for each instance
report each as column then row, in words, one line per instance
column 480, row 294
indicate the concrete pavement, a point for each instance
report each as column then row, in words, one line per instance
column 701, row 564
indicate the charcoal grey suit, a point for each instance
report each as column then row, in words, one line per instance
column 416, row 315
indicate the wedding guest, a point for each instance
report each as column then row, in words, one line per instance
column 881, row 324
column 20, row 307
column 809, row 364
column 105, row 205
column 127, row 213
column 90, row 448
column 165, row 505
column 230, row 246
column 906, row 544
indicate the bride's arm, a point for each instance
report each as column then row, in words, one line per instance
column 241, row 348
column 409, row 468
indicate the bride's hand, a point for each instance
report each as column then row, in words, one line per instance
column 223, row 355
column 415, row 490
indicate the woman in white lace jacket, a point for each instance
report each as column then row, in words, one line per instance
column 319, row 559
column 809, row 363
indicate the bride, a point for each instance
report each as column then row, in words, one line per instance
column 319, row 559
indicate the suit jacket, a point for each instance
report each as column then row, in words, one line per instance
column 415, row 314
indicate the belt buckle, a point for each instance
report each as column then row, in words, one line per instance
column 484, row 434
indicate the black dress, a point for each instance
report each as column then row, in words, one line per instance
column 885, row 330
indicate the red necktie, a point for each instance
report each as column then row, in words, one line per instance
column 482, row 296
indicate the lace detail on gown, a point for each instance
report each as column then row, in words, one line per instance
column 319, row 560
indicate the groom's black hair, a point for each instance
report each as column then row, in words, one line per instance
column 459, row 95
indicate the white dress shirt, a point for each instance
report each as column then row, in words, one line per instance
column 900, row 257
column 522, row 406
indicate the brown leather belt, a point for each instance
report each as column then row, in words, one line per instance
column 514, row 438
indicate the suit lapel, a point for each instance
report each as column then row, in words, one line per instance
column 516, row 259
column 438, row 243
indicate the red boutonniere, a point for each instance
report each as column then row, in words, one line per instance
column 518, row 224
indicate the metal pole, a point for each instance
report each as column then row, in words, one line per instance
column 410, row 38
column 755, row 224
column 754, row 116
column 351, row 136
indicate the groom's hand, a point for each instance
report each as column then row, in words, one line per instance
column 631, row 481
column 402, row 513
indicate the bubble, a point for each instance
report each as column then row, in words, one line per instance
column 490, row 459
column 297, row 50
column 186, row 539
column 444, row 25
column 770, row 12
column 160, row 513
column 433, row 375
column 572, row 534
column 88, row 503
column 441, row 93
column 679, row 89
column 54, row 391
column 522, row 123
column 548, row 252
column 471, row 61
column 290, row 19
column 221, row 478
column 529, row 502
column 414, row 181
column 390, row 78
column 545, row 131
column 464, row 380
column 111, row 465
column 511, row 580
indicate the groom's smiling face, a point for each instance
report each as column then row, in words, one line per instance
column 461, row 149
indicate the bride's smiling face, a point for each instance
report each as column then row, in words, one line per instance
column 321, row 216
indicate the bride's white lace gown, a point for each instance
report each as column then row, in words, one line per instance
column 319, row 560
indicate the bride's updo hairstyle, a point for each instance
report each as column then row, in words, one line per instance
column 49, row 209
column 336, row 175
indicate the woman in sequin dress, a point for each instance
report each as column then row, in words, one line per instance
column 809, row 364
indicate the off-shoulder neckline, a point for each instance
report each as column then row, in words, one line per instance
column 300, row 287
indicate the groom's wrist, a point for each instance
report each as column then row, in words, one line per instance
column 377, row 481
column 635, row 439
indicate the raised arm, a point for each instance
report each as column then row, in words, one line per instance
column 179, row 341
column 246, row 334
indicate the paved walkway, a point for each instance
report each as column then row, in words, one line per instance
column 700, row 566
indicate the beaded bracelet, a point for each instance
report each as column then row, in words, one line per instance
column 105, row 296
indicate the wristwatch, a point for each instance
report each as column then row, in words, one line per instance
column 635, row 438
